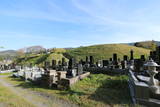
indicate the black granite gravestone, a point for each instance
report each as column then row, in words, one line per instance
column 47, row 64
column 143, row 57
column 71, row 63
column 87, row 60
column 125, row 58
column 63, row 61
column 105, row 63
column 138, row 64
column 114, row 57
column 54, row 63
column 131, row 55
column 91, row 60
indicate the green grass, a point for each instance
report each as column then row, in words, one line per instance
column 8, row 99
column 98, row 51
column 40, row 59
column 6, row 73
column 106, row 51
column 97, row 90
column 56, row 56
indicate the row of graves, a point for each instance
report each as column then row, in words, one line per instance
column 144, row 80
column 61, row 75
column 112, row 66
column 64, row 74
column 7, row 68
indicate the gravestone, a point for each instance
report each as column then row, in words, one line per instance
column 74, row 72
column 105, row 63
column 46, row 64
column 79, row 69
column 124, row 64
column 115, row 61
column 91, row 60
column 138, row 65
column 59, row 63
column 114, row 57
column 87, row 60
column 131, row 55
column 71, row 63
column 63, row 62
column 125, row 58
column 143, row 57
column 82, row 62
column 158, row 54
column 154, row 56
column 54, row 63
column 110, row 59
column 151, row 55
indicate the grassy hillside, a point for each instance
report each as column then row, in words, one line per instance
column 39, row 59
column 106, row 51
column 98, row 51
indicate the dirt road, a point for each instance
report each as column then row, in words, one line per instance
column 36, row 98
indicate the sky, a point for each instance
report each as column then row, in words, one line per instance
column 73, row 23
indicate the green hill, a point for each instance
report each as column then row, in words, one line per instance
column 106, row 51
column 39, row 59
column 98, row 51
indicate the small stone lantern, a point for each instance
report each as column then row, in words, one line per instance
column 153, row 83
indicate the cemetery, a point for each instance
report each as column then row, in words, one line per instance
column 142, row 73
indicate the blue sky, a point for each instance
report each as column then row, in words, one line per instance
column 73, row 23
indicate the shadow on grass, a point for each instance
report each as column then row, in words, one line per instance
column 113, row 92
column 32, row 85
column 72, row 92
column 23, row 84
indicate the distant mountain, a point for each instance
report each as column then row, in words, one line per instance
column 9, row 54
column 133, row 43
column 32, row 49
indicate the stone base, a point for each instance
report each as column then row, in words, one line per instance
column 141, row 93
column 67, row 82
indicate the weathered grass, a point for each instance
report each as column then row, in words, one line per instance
column 97, row 90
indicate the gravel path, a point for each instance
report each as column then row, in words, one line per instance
column 36, row 98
